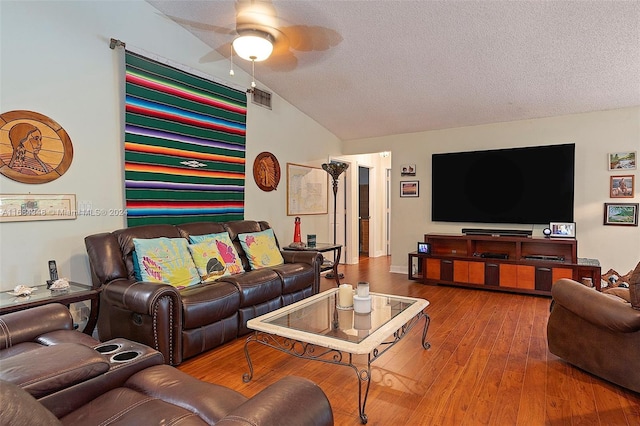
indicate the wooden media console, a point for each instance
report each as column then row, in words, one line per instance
column 507, row 263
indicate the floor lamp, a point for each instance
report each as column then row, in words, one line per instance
column 335, row 169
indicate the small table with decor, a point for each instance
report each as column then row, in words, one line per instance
column 76, row 292
column 327, row 264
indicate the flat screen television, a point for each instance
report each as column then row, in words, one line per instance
column 532, row 185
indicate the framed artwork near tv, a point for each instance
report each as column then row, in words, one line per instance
column 621, row 214
column 622, row 186
column 622, row 160
column 408, row 170
column 409, row 188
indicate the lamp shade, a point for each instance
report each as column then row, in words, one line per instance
column 253, row 45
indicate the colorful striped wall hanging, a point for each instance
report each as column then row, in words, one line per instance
column 184, row 147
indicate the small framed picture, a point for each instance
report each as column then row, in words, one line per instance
column 622, row 160
column 424, row 248
column 408, row 170
column 563, row 229
column 409, row 188
column 622, row 186
column 621, row 214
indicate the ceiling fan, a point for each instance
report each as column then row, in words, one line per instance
column 257, row 21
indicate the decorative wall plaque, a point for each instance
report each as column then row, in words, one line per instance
column 33, row 147
column 266, row 171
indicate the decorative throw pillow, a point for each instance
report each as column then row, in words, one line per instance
column 165, row 260
column 208, row 260
column 228, row 254
column 634, row 288
column 261, row 248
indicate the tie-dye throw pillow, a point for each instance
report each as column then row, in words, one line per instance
column 228, row 254
column 261, row 249
column 208, row 260
column 165, row 260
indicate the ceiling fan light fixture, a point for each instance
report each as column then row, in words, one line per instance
column 253, row 45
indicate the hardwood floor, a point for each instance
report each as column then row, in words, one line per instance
column 488, row 365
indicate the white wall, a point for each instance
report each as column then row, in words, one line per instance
column 55, row 60
column 595, row 135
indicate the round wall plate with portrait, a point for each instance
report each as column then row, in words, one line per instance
column 33, row 147
column 266, row 171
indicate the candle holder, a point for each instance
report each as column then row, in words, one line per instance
column 363, row 289
column 362, row 305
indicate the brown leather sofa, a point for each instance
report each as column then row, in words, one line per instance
column 50, row 374
column 183, row 323
column 597, row 332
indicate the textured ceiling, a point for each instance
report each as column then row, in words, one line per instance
column 375, row 68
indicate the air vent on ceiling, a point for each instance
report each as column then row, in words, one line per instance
column 261, row 97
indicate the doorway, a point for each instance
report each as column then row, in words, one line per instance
column 364, row 214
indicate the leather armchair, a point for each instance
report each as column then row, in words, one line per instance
column 597, row 332
column 164, row 395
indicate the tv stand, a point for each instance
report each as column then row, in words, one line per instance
column 507, row 263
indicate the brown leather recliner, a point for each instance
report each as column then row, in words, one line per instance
column 184, row 323
column 597, row 332
column 163, row 395
column 49, row 374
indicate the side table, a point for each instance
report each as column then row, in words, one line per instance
column 327, row 265
column 42, row 295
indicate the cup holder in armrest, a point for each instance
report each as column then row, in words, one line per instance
column 108, row 348
column 125, row 356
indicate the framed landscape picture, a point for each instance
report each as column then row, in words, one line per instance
column 622, row 186
column 409, row 188
column 622, row 160
column 621, row 214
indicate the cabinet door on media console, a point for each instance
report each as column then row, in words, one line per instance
column 433, row 269
column 517, row 276
column 468, row 272
column 546, row 276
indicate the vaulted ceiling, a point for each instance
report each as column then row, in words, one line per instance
column 375, row 68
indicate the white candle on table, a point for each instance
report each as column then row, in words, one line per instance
column 345, row 295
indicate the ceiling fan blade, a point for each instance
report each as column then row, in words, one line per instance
column 281, row 60
column 306, row 38
column 201, row 26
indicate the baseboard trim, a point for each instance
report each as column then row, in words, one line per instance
column 399, row 269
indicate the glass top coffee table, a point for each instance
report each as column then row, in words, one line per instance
column 316, row 329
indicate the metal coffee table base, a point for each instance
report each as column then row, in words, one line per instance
column 332, row 356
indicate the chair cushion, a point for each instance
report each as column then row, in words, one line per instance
column 208, row 303
column 261, row 249
column 165, row 260
column 49, row 369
